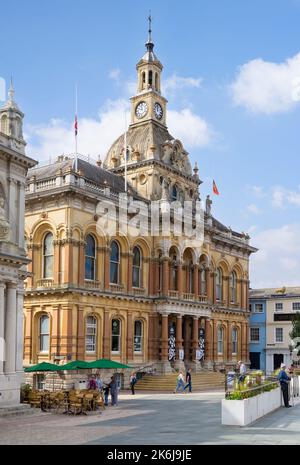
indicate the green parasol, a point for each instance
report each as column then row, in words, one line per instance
column 105, row 363
column 44, row 366
column 75, row 365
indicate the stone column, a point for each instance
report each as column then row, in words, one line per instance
column 179, row 363
column 129, row 271
column 55, row 330
column 166, row 280
column 244, row 343
column 66, row 341
column 68, row 268
column 81, row 264
column 80, row 349
column 152, row 276
column 10, row 328
column 164, row 337
column 106, row 268
column 129, row 339
column 56, row 275
column 180, row 278
column 20, row 334
column 106, row 335
column 2, row 326
column 208, row 357
column 229, row 343
column 151, row 343
column 28, row 336
column 195, row 340
column 211, row 287
column 196, row 280
column 215, row 340
column 30, row 264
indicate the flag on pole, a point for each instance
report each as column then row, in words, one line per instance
column 215, row 189
column 76, row 126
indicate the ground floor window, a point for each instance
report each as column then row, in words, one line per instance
column 116, row 336
column 40, row 381
column 254, row 360
column 138, row 336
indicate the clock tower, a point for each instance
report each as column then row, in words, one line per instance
column 148, row 103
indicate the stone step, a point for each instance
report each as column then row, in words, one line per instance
column 14, row 410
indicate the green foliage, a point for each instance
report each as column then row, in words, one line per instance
column 247, row 393
column 296, row 329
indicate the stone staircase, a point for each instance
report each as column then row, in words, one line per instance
column 203, row 381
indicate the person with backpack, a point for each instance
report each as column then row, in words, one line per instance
column 284, row 379
column 133, row 381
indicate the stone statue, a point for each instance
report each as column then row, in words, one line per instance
column 208, row 205
column 165, row 190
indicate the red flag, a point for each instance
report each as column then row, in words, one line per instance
column 76, row 125
column 215, row 189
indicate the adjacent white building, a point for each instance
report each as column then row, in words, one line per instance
column 14, row 165
column 281, row 305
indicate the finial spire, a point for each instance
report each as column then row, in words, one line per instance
column 150, row 27
column 11, row 91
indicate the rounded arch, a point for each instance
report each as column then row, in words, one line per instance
column 189, row 255
column 224, row 265
column 143, row 245
column 39, row 229
column 238, row 269
column 174, row 251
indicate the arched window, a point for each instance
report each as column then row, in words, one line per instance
column 174, row 194
column 44, row 333
column 220, row 340
column 90, row 258
column 138, row 336
column 234, row 339
column 143, row 79
column 219, row 284
column 91, row 334
column 137, row 268
column 203, row 281
column 114, row 263
column 233, row 287
column 150, row 78
column 48, row 256
column 4, row 124
column 156, row 82
column 116, row 336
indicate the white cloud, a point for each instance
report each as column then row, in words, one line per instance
column 257, row 191
column 267, row 87
column 282, row 197
column 114, row 74
column 276, row 263
column 175, row 82
column 190, row 128
column 95, row 136
column 252, row 208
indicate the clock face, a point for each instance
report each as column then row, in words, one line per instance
column 158, row 111
column 141, row 109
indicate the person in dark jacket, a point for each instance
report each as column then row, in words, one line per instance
column 133, row 381
column 284, row 379
column 106, row 393
column 188, row 379
column 113, row 386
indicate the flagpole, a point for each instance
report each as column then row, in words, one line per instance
column 76, row 130
column 125, row 151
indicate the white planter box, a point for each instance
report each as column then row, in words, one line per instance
column 244, row 412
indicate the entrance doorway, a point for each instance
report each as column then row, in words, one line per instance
column 277, row 360
column 254, row 360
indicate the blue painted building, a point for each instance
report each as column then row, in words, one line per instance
column 257, row 331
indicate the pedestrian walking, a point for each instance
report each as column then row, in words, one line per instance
column 113, row 386
column 92, row 383
column 180, row 383
column 106, row 393
column 188, row 380
column 284, row 379
column 242, row 371
column 99, row 383
column 133, row 381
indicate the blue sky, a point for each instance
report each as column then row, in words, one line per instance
column 229, row 72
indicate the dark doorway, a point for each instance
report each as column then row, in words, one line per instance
column 278, row 360
column 254, row 360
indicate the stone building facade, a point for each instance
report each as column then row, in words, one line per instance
column 157, row 301
column 13, row 170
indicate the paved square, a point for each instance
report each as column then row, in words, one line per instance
column 152, row 419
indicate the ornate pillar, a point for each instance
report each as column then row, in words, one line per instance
column 215, row 340
column 180, row 278
column 106, row 268
column 211, row 287
column 196, row 280
column 2, row 326
column 10, row 328
column 229, row 342
column 56, row 276
column 208, row 342
column 195, row 340
column 129, row 273
column 80, row 345
column 20, row 334
column 226, row 297
column 129, row 339
column 151, row 338
column 66, row 340
column 28, row 336
column 164, row 337
column 68, row 268
column 81, row 265
column 166, row 280
column 179, row 339
column 152, row 277
column 106, row 335
column 30, row 265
